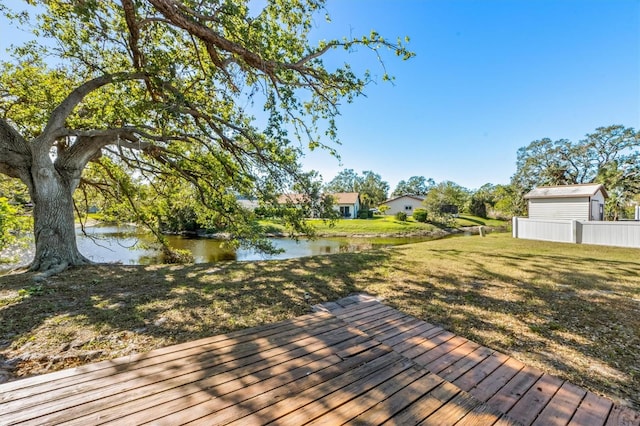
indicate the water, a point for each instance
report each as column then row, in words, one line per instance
column 125, row 244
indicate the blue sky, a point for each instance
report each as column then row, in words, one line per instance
column 488, row 78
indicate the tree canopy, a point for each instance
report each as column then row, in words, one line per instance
column 373, row 190
column 218, row 95
column 610, row 156
column 415, row 185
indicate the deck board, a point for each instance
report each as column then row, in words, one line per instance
column 354, row 360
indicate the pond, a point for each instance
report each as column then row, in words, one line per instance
column 126, row 244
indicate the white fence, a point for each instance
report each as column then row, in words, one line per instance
column 622, row 234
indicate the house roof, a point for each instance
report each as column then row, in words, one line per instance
column 339, row 198
column 415, row 197
column 292, row 198
column 346, row 197
column 566, row 191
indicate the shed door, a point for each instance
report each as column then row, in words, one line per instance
column 597, row 210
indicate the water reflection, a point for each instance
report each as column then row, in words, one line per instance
column 125, row 244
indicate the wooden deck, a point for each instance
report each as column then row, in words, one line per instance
column 354, row 361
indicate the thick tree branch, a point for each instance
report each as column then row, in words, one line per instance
column 55, row 125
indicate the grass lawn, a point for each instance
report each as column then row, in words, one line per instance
column 383, row 225
column 571, row 310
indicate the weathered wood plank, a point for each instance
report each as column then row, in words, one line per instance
column 623, row 416
column 389, row 407
column 347, row 411
column 428, row 344
column 315, row 401
column 535, row 399
column 440, row 351
column 208, row 356
column 497, row 379
column 562, row 406
column 422, row 327
column 511, row 393
column 418, row 339
column 138, row 384
column 477, row 373
column 454, row 410
column 447, row 360
column 462, row 366
column 425, row 406
column 75, row 374
column 482, row 415
column 593, row 410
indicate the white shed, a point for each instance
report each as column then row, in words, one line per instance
column 403, row 203
column 568, row 202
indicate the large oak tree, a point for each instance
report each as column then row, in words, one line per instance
column 211, row 92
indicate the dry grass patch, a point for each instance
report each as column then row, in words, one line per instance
column 571, row 310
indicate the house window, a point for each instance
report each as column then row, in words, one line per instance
column 408, row 207
column 344, row 211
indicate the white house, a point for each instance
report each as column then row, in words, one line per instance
column 403, row 203
column 347, row 203
column 567, row 202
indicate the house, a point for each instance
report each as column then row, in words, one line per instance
column 403, row 203
column 347, row 203
column 568, row 202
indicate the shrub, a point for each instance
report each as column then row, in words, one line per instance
column 363, row 214
column 420, row 215
column 401, row 216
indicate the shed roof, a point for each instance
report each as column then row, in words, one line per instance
column 567, row 191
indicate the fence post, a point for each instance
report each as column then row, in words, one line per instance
column 514, row 227
column 574, row 231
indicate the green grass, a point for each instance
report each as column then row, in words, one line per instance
column 382, row 225
column 570, row 310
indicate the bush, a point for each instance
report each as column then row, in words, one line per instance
column 420, row 215
column 401, row 216
column 363, row 214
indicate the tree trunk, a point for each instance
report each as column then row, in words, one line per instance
column 54, row 226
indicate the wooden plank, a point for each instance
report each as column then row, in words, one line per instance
column 422, row 327
column 460, row 367
column 477, row 373
column 398, row 330
column 333, row 386
column 511, row 393
column 482, row 415
column 440, row 351
column 416, row 340
column 497, row 379
column 454, row 410
column 453, row 356
column 208, row 356
column 427, row 345
column 371, row 324
column 347, row 411
column 389, row 407
column 425, row 406
column 338, row 397
column 535, row 399
column 112, row 393
column 562, row 406
column 241, row 399
column 623, row 416
column 593, row 410
column 362, row 311
column 390, row 327
column 116, row 363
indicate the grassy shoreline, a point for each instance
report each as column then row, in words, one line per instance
column 571, row 310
